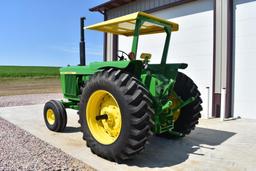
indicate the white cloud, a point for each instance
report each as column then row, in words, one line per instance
column 66, row 49
column 90, row 49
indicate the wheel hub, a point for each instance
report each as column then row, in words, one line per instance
column 176, row 101
column 112, row 124
column 103, row 117
column 50, row 116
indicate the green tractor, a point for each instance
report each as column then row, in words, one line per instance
column 122, row 103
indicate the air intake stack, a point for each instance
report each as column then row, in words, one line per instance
column 82, row 43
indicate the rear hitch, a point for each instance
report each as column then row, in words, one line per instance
column 167, row 105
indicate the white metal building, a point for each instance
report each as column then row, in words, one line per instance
column 217, row 39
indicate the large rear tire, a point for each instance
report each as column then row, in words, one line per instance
column 189, row 115
column 115, row 115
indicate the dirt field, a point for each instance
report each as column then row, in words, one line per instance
column 29, row 85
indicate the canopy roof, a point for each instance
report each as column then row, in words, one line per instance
column 125, row 25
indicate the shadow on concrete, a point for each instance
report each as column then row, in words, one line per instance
column 70, row 129
column 163, row 152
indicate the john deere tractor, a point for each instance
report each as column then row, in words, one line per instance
column 122, row 103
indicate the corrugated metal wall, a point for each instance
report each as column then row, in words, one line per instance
column 139, row 5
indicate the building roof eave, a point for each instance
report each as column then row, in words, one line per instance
column 110, row 5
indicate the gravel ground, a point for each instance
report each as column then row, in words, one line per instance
column 28, row 99
column 19, row 150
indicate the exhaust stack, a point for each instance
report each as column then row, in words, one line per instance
column 82, row 43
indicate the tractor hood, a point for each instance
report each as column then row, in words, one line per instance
column 94, row 67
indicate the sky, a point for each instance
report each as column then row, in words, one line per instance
column 46, row 32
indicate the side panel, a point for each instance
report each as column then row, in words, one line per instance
column 70, row 86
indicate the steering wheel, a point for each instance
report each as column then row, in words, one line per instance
column 123, row 55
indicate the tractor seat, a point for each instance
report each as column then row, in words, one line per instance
column 145, row 56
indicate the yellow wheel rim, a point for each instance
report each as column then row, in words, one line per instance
column 103, row 117
column 50, row 116
column 175, row 102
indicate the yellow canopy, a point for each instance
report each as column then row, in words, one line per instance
column 125, row 25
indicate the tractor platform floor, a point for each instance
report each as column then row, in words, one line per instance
column 213, row 145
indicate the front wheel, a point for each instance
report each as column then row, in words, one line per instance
column 55, row 116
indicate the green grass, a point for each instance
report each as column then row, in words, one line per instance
column 28, row 71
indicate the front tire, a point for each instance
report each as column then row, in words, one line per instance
column 110, row 94
column 55, row 116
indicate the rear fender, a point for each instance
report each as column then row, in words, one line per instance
column 132, row 67
column 159, row 79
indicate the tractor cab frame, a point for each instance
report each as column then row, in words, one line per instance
column 137, row 24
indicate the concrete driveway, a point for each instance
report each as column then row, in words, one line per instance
column 214, row 145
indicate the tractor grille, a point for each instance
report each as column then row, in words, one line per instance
column 71, row 85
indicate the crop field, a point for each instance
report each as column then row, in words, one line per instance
column 17, row 80
column 28, row 71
